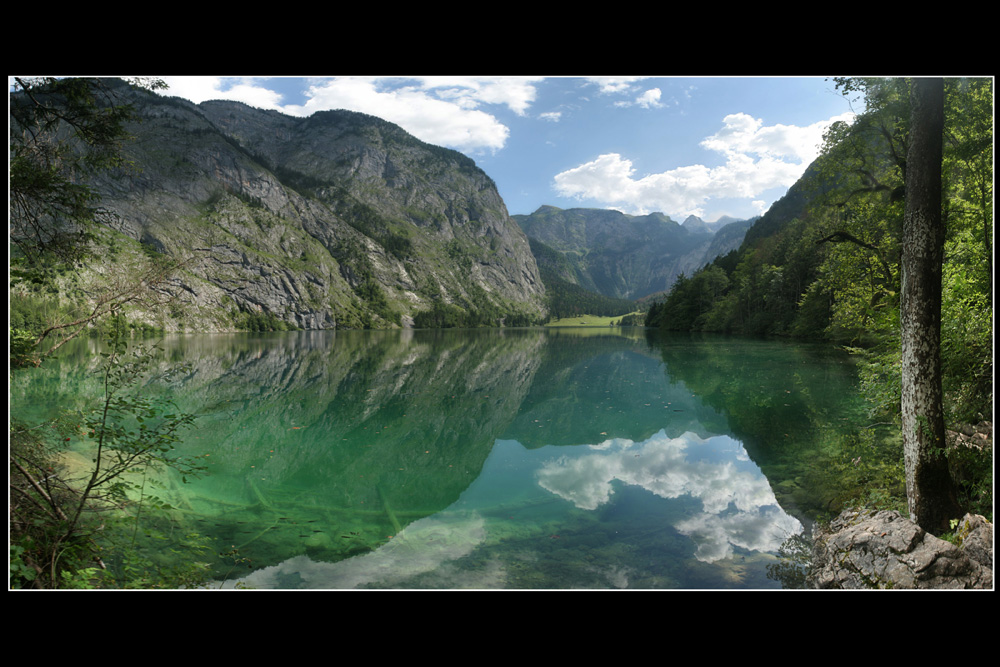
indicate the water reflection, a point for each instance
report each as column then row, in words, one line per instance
column 428, row 546
column 466, row 458
column 705, row 490
column 738, row 507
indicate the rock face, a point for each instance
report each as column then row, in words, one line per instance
column 629, row 256
column 866, row 549
column 339, row 219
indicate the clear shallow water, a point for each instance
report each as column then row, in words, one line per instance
column 573, row 458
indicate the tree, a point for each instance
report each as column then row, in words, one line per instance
column 61, row 130
column 53, row 529
column 113, row 293
column 929, row 489
column 969, row 165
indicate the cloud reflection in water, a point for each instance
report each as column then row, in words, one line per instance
column 738, row 506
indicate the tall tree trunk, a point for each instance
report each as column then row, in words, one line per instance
column 929, row 488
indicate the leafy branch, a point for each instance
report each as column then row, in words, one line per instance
column 128, row 432
column 123, row 288
column 60, row 131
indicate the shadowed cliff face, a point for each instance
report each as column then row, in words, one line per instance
column 336, row 220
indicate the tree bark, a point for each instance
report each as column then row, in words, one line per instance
column 929, row 488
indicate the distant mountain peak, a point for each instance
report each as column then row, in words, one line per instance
column 695, row 224
column 662, row 217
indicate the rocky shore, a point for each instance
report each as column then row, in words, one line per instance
column 883, row 549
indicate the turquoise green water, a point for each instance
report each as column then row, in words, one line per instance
column 533, row 458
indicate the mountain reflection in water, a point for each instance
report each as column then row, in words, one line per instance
column 496, row 458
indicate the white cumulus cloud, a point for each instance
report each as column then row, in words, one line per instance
column 758, row 158
column 649, row 99
column 447, row 111
column 453, row 121
column 199, row 89
column 743, row 134
column 516, row 93
column 610, row 85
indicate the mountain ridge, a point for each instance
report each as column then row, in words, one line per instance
column 628, row 256
column 335, row 220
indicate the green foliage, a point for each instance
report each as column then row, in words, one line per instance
column 367, row 220
column 158, row 558
column 374, row 296
column 150, row 250
column 480, row 312
column 458, row 254
column 59, row 130
column 302, row 183
column 825, row 261
column 632, row 320
column 357, row 268
column 966, row 340
column 793, row 563
column 441, row 316
column 869, row 472
column 63, row 132
column 64, row 520
column 754, row 291
column 972, row 469
column 22, row 575
column 67, row 522
column 566, row 299
column 689, row 305
column 234, row 560
column 260, row 321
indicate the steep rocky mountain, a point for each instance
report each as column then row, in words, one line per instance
column 627, row 256
column 696, row 225
column 335, row 220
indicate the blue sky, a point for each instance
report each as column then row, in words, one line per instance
column 707, row 146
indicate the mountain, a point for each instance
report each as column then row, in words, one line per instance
column 626, row 256
column 728, row 237
column 696, row 225
column 336, row 220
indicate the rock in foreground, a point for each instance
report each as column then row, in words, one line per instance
column 869, row 549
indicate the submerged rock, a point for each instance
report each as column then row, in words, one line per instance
column 884, row 549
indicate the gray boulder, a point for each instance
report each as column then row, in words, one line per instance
column 884, row 549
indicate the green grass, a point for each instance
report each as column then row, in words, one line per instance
column 585, row 321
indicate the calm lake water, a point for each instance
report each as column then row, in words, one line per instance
column 525, row 458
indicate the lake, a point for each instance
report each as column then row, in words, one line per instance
column 521, row 459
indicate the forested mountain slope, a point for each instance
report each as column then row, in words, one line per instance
column 825, row 260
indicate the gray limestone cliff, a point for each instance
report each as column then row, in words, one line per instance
column 335, row 220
